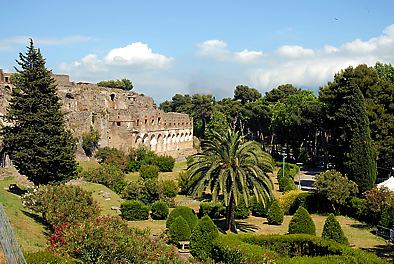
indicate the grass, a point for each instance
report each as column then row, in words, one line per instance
column 30, row 233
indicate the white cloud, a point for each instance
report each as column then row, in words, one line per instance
column 218, row 50
column 294, row 51
column 10, row 43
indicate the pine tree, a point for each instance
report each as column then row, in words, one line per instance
column 37, row 141
column 302, row 223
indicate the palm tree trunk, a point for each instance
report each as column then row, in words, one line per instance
column 230, row 221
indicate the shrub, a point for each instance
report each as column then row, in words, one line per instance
column 332, row 230
column 90, row 141
column 150, row 191
column 47, row 257
column 112, row 156
column 258, row 208
column 275, row 214
column 305, row 200
column 286, row 184
column 183, row 183
column 149, row 172
column 377, row 199
column 132, row 191
column 213, row 210
column 134, row 210
column 107, row 174
column 165, row 163
column 302, row 223
column 140, row 156
column 168, row 188
column 179, row 230
column 288, row 199
column 241, row 210
column 186, row 212
column 202, row 238
column 387, row 216
column 159, row 210
column 61, row 203
column 108, row 239
column 358, row 208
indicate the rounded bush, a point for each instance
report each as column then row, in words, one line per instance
column 134, row 210
column 159, row 210
column 186, row 212
column 302, row 223
column 179, row 230
column 213, row 210
column 132, row 191
column 332, row 230
column 150, row 191
column 275, row 214
column 201, row 240
column 165, row 163
column 241, row 210
column 168, row 188
column 149, row 172
column 258, row 208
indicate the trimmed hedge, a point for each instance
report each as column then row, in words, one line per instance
column 298, row 248
column 287, row 200
column 134, row 210
column 179, row 230
column 333, row 230
column 275, row 214
column 159, row 210
column 184, row 211
column 241, row 210
column 46, row 257
column 213, row 210
column 165, row 163
column 258, row 208
column 302, row 223
column 202, row 238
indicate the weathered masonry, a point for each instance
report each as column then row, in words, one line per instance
column 124, row 119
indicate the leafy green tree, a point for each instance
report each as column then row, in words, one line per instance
column 280, row 93
column 246, row 94
column 347, row 123
column 179, row 230
column 201, row 240
column 231, row 166
column 302, row 223
column 124, row 84
column 217, row 123
column 38, row 143
column 333, row 230
column 335, row 187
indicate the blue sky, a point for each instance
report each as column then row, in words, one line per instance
column 168, row 47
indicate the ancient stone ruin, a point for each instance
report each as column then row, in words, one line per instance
column 124, row 119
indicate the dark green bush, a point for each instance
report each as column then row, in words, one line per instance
column 150, row 191
column 286, row 184
column 148, row 172
column 202, row 238
column 179, row 230
column 184, row 183
column 275, row 214
column 46, row 257
column 213, row 210
column 302, row 223
column 90, row 141
column 302, row 199
column 112, row 156
column 168, row 188
column 165, row 163
column 134, row 210
column 140, row 156
column 186, row 212
column 107, row 174
column 387, row 216
column 159, row 210
column 333, row 230
column 241, row 210
column 132, row 191
column 61, row 203
column 258, row 208
column 358, row 208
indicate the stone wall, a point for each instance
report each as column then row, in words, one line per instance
column 124, row 119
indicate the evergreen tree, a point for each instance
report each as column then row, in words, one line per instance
column 37, row 141
column 201, row 240
column 332, row 230
column 302, row 223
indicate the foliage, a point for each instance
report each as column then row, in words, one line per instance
column 288, row 199
column 37, row 142
column 286, row 184
column 90, row 141
column 241, row 210
column 333, row 230
column 231, row 166
column 179, row 230
column 302, row 223
column 202, row 237
column 61, row 203
column 218, row 123
column 358, row 208
column 124, row 84
column 309, row 201
column 106, row 239
column 246, row 94
column 112, row 156
column 132, row 191
column 47, row 257
column 106, row 174
column 150, row 191
column 387, row 216
column 213, row 210
column 165, row 163
column 377, row 200
column 149, row 172
column 275, row 214
column 134, row 210
column 159, row 210
column 286, row 177
column 258, row 208
column 185, row 212
column 335, row 187
column 168, row 188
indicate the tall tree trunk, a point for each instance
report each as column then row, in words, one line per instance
column 230, row 219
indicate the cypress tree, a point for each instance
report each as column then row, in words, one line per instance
column 37, row 141
column 302, row 223
column 333, row 230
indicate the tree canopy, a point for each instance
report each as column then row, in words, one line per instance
column 124, row 84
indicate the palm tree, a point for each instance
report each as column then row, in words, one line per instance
column 230, row 166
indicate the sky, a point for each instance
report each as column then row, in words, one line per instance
column 187, row 47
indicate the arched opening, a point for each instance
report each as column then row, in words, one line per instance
column 159, row 147
column 145, row 140
column 112, row 96
column 153, row 143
